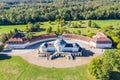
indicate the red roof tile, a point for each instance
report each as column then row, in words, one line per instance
column 79, row 37
column 101, row 37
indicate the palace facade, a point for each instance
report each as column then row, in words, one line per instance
column 60, row 45
column 100, row 40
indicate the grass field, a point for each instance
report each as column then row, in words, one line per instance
column 44, row 25
column 7, row 28
column 15, row 68
column 101, row 23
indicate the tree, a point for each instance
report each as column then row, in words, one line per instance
column 89, row 23
column 4, row 38
column 99, row 68
column 15, row 30
column 35, row 27
column 113, row 58
column 56, row 21
column 79, row 25
column 1, row 47
column 62, row 22
column 61, row 30
column 8, row 35
column 118, row 45
column 94, row 25
column 29, row 27
column 69, row 24
column 49, row 22
column 11, row 33
column 57, row 30
column 115, row 39
column 28, row 35
column 104, row 66
column 90, row 34
column 49, row 30
column 78, row 32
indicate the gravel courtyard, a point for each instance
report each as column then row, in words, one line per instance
column 33, row 58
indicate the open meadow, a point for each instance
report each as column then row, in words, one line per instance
column 45, row 25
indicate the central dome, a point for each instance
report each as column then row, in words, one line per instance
column 60, row 42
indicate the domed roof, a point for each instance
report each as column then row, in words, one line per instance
column 60, row 42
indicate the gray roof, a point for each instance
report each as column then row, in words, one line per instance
column 72, row 45
column 69, row 45
column 46, row 45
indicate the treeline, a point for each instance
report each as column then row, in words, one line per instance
column 50, row 1
column 24, row 13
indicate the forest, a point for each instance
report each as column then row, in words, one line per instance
column 24, row 11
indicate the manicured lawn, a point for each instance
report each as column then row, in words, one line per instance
column 44, row 25
column 100, row 23
column 15, row 68
column 7, row 28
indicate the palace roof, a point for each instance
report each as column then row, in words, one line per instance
column 100, row 38
column 18, row 38
column 78, row 37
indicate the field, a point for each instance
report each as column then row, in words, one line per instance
column 7, row 28
column 44, row 25
column 15, row 68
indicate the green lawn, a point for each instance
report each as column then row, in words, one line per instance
column 7, row 28
column 15, row 68
column 45, row 25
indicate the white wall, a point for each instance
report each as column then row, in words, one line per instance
column 28, row 43
column 17, row 45
column 43, row 50
column 51, row 49
column 75, row 49
column 67, row 49
column 101, row 45
column 70, row 49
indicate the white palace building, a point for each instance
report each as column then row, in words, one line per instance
column 60, row 48
column 100, row 40
column 60, row 45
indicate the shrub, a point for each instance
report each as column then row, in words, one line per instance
column 118, row 45
column 1, row 47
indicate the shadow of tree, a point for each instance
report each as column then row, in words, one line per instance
column 86, row 53
column 42, row 29
column 115, row 75
column 4, row 56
